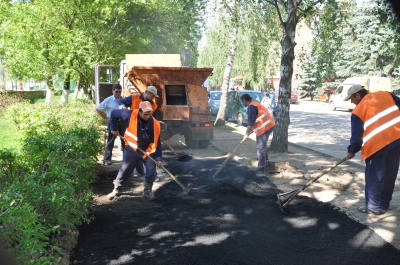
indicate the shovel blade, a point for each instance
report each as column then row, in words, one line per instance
column 184, row 158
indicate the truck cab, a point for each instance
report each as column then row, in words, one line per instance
column 371, row 83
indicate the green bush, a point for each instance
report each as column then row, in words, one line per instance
column 45, row 190
column 8, row 100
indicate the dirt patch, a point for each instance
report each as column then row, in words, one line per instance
column 231, row 219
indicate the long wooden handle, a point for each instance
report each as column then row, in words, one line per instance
column 226, row 160
column 185, row 189
column 294, row 193
column 323, row 173
column 170, row 147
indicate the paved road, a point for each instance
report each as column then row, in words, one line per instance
column 314, row 126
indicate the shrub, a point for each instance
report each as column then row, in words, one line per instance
column 45, row 193
column 8, row 100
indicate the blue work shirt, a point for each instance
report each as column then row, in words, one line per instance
column 127, row 102
column 252, row 112
column 145, row 135
column 357, row 131
column 108, row 104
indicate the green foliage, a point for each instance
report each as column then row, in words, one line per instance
column 368, row 43
column 318, row 61
column 9, row 135
column 257, row 53
column 45, row 38
column 46, row 118
column 45, row 191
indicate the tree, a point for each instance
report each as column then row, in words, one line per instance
column 44, row 38
column 243, row 32
column 289, row 12
column 371, row 42
column 318, row 60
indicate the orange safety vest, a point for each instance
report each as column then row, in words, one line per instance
column 136, row 101
column 131, row 133
column 381, row 118
column 264, row 119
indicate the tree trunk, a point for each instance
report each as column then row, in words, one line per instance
column 220, row 120
column 280, row 136
column 49, row 91
column 65, row 91
column 75, row 95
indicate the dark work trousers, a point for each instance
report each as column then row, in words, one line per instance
column 130, row 161
column 262, row 154
column 380, row 177
column 111, row 140
column 139, row 167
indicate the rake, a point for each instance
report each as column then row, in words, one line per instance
column 285, row 198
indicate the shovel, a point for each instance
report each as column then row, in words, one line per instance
column 226, row 160
column 180, row 157
column 285, row 198
column 185, row 189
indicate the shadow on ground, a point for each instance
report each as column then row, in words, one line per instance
column 232, row 219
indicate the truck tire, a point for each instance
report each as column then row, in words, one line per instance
column 332, row 106
column 191, row 143
column 204, row 143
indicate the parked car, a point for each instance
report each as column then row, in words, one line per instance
column 214, row 98
column 235, row 110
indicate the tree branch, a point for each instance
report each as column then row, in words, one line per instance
column 228, row 7
column 302, row 13
column 276, row 5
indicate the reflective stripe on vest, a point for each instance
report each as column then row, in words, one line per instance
column 264, row 119
column 131, row 133
column 381, row 118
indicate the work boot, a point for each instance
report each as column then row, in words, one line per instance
column 148, row 194
column 116, row 190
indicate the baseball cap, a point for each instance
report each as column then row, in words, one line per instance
column 353, row 89
column 152, row 90
column 145, row 106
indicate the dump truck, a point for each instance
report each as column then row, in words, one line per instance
column 182, row 102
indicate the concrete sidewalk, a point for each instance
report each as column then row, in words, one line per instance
column 343, row 187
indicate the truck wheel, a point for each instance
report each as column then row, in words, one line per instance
column 239, row 119
column 332, row 106
column 191, row 143
column 204, row 143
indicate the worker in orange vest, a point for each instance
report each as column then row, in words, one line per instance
column 143, row 131
column 132, row 102
column 375, row 130
column 261, row 122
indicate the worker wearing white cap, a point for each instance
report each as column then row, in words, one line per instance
column 375, row 130
column 133, row 100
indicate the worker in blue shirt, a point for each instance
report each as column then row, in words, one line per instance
column 142, row 131
column 108, row 105
column 375, row 131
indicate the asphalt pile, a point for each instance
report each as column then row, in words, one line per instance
column 233, row 218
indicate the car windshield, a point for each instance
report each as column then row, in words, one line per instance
column 257, row 96
column 215, row 95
